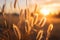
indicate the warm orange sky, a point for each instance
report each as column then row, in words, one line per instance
column 53, row 4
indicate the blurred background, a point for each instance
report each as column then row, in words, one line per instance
column 26, row 12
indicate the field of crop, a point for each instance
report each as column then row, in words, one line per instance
column 26, row 25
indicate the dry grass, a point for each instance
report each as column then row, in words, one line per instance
column 17, row 31
column 39, row 35
column 42, row 22
column 50, row 27
column 30, row 22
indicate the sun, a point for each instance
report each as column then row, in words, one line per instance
column 44, row 11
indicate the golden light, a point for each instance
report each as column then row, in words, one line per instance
column 44, row 11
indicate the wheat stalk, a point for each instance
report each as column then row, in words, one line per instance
column 15, row 3
column 27, row 27
column 42, row 22
column 39, row 35
column 17, row 31
column 35, row 18
column 3, row 7
column 49, row 31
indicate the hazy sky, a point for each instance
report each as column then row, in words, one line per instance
column 23, row 2
column 42, row 3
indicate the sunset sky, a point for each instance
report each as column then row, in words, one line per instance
column 52, row 4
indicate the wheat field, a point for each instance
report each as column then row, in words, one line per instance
column 27, row 25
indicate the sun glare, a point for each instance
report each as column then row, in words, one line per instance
column 44, row 11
